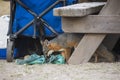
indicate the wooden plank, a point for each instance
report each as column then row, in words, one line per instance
column 80, row 9
column 103, row 52
column 92, row 0
column 80, row 1
column 111, row 8
column 92, row 24
column 110, row 41
column 86, row 48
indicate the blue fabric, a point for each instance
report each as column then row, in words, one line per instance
column 22, row 17
column 3, row 53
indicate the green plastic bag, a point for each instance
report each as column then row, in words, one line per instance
column 33, row 59
column 36, row 59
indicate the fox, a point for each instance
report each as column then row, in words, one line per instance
column 67, row 42
column 64, row 43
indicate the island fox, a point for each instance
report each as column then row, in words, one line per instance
column 67, row 42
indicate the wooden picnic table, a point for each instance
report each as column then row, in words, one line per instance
column 82, row 18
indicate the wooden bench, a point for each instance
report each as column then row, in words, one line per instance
column 79, row 10
column 78, row 19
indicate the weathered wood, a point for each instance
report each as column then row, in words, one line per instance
column 88, row 45
column 92, row 24
column 103, row 52
column 111, row 40
column 92, row 0
column 77, row 10
column 112, row 8
column 86, row 48
column 80, row 1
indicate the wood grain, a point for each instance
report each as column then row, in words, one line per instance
column 78, row 10
column 92, row 24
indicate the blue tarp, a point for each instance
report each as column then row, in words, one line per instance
column 22, row 17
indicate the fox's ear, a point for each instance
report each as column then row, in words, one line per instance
column 45, row 42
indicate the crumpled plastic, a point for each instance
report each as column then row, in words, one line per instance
column 33, row 59
column 56, row 59
column 40, row 59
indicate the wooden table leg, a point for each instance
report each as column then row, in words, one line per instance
column 86, row 48
column 110, row 41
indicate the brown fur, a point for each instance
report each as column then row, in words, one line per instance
column 54, row 46
column 66, row 52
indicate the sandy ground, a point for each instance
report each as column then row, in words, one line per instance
column 4, row 7
column 87, row 71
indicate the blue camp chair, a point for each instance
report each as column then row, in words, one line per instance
column 33, row 18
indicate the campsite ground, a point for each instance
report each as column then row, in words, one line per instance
column 4, row 7
column 87, row 71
